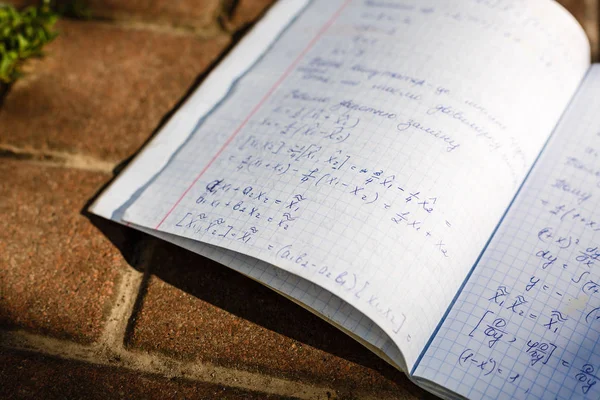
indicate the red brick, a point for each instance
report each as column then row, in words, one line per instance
column 28, row 376
column 102, row 90
column 191, row 13
column 195, row 309
column 184, row 13
column 575, row 7
column 57, row 271
column 587, row 13
column 244, row 12
column 19, row 3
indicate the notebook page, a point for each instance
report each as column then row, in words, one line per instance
column 350, row 157
column 155, row 155
column 527, row 323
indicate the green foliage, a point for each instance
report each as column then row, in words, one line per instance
column 22, row 35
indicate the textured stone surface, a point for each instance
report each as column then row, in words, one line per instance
column 197, row 14
column 578, row 8
column 240, row 13
column 19, row 3
column 102, row 90
column 575, row 7
column 57, row 271
column 29, row 376
column 190, row 13
column 195, row 309
column 586, row 12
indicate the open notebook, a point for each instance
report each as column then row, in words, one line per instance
column 423, row 174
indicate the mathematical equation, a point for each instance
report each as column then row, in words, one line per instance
column 538, row 352
column 316, row 166
column 492, row 330
column 219, row 227
column 552, row 308
column 351, row 282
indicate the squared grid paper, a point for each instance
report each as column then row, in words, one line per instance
column 512, row 260
column 401, row 281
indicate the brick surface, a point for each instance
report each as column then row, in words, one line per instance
column 17, row 3
column 198, row 14
column 29, row 376
column 240, row 13
column 586, row 12
column 189, row 13
column 57, row 271
column 575, row 7
column 102, row 90
column 195, row 309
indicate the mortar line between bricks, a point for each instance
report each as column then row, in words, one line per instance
column 57, row 159
column 161, row 365
column 130, row 292
column 132, row 23
column 129, row 299
column 115, row 329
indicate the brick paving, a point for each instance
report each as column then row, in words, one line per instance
column 59, row 273
column 91, row 309
column 198, row 15
column 27, row 375
column 102, row 89
column 587, row 13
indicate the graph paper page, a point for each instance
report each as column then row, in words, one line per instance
column 350, row 157
column 527, row 323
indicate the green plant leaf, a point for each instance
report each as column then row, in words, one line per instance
column 23, row 34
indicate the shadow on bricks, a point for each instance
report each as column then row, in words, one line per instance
column 233, row 293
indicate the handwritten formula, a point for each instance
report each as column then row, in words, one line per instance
column 528, row 319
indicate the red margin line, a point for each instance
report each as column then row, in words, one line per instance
column 287, row 72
